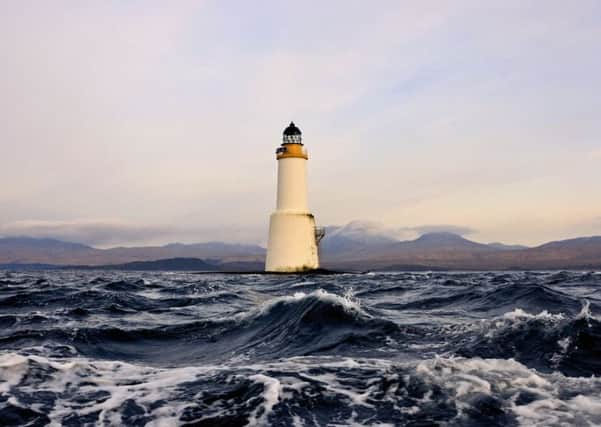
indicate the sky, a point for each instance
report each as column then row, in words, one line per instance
column 147, row 122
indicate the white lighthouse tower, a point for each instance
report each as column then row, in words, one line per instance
column 293, row 236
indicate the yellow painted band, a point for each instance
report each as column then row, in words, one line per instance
column 292, row 150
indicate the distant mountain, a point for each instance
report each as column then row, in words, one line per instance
column 357, row 238
column 17, row 243
column 504, row 247
column 438, row 245
column 217, row 249
column 28, row 250
column 224, row 252
column 25, row 250
column 582, row 252
column 580, row 243
column 450, row 251
column 442, row 241
column 28, row 267
column 356, row 246
column 171, row 264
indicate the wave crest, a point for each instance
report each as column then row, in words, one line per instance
column 545, row 340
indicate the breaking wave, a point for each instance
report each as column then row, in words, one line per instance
column 545, row 341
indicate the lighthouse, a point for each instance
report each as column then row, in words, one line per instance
column 293, row 237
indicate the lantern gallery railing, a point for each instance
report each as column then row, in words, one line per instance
column 320, row 232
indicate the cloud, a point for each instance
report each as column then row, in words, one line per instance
column 455, row 229
column 375, row 229
column 115, row 232
column 94, row 232
column 105, row 233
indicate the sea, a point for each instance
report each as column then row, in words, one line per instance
column 98, row 348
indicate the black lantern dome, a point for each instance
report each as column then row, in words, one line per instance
column 292, row 134
column 292, row 130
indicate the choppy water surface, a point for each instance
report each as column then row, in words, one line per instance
column 98, row 348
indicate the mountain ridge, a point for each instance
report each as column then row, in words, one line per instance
column 354, row 247
column 30, row 250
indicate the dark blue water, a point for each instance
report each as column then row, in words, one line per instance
column 161, row 349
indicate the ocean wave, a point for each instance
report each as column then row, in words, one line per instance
column 483, row 298
column 300, row 324
column 546, row 341
column 90, row 348
column 301, row 390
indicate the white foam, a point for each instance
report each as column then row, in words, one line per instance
column 12, row 369
column 553, row 398
column 585, row 311
column 588, row 404
column 297, row 421
column 121, row 380
column 519, row 314
column 271, row 396
column 347, row 301
column 564, row 344
column 507, row 379
column 301, row 284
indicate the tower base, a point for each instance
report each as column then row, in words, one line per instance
column 292, row 247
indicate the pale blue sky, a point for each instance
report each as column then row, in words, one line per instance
column 147, row 122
